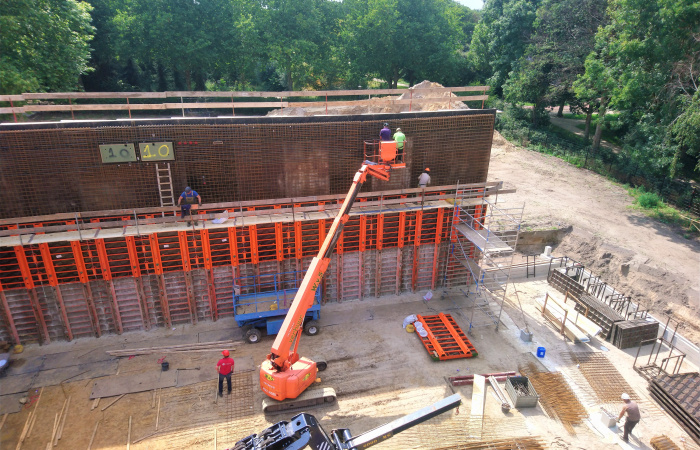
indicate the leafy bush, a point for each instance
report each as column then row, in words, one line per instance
column 649, row 200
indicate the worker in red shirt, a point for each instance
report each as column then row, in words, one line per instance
column 225, row 368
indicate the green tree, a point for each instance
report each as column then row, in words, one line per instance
column 411, row 39
column 645, row 67
column 299, row 36
column 195, row 38
column 44, row 45
column 501, row 37
column 564, row 34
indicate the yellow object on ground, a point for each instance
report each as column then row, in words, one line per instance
column 410, row 328
column 19, row 348
column 273, row 306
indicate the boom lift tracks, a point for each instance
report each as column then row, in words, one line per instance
column 284, row 374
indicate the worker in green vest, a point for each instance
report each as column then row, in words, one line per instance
column 399, row 137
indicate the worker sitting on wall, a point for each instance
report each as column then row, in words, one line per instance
column 190, row 197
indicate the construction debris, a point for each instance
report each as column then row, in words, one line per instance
column 521, row 392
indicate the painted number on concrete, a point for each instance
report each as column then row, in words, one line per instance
column 157, row 151
column 117, row 153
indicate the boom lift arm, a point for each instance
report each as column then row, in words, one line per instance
column 284, row 374
column 304, row 431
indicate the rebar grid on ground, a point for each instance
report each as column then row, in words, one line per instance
column 457, row 430
column 556, row 397
column 605, row 380
column 520, row 443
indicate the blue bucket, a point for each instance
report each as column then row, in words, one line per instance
column 540, row 352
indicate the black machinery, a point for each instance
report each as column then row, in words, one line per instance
column 304, row 430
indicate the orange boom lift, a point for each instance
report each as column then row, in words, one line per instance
column 285, row 374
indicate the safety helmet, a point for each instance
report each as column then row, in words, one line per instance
column 398, row 129
column 386, row 124
column 427, row 169
column 225, row 353
column 625, row 397
column 188, row 189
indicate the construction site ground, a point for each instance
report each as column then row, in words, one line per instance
column 379, row 371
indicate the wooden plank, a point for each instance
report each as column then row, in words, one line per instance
column 228, row 105
column 36, row 408
column 479, row 401
column 24, row 430
column 112, row 402
column 559, row 316
column 388, row 101
column 419, row 97
column 63, row 423
column 79, row 95
column 53, row 433
column 478, row 395
column 158, row 411
column 585, row 324
column 128, row 436
column 491, row 186
column 94, row 432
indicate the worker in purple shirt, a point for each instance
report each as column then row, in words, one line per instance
column 385, row 134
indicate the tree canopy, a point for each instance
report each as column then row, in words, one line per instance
column 640, row 58
column 44, row 45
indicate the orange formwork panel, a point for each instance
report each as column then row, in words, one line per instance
column 445, row 339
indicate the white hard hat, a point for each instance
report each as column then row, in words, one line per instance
column 625, row 397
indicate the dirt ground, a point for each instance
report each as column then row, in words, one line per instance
column 607, row 234
column 379, row 371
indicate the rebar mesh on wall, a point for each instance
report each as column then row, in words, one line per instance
column 56, row 169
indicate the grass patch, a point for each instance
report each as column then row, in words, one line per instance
column 653, row 206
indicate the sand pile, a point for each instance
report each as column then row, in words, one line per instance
column 385, row 104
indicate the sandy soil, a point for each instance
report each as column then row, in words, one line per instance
column 608, row 235
column 379, row 371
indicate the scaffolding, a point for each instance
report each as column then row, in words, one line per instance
column 483, row 239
